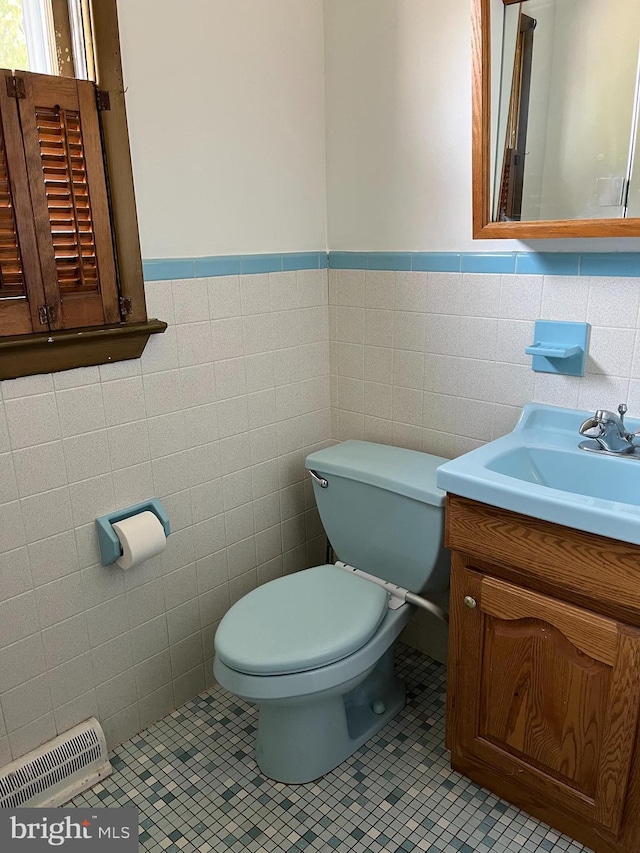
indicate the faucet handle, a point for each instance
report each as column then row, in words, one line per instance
column 622, row 409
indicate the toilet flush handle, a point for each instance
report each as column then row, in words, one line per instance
column 324, row 484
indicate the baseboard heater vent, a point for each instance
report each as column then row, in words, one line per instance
column 57, row 771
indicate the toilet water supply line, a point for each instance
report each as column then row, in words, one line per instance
column 398, row 595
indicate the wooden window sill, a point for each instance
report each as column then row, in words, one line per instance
column 24, row 355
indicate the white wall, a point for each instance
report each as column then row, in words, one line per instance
column 246, row 172
column 398, row 88
column 243, row 172
column 398, row 124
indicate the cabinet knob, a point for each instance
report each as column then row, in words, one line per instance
column 470, row 601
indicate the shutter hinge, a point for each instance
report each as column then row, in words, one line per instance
column 46, row 314
column 125, row 305
column 15, row 87
column 103, row 100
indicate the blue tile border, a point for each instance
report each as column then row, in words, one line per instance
column 389, row 261
column 618, row 264
column 216, row 265
column 349, row 260
column 623, row 264
column 435, row 261
column 520, row 263
column 303, row 261
column 547, row 263
column 168, row 268
column 252, row 264
column 223, row 265
column 488, row 262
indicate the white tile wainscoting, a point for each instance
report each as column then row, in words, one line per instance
column 435, row 361
column 215, row 420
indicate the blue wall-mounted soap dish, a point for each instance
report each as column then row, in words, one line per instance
column 560, row 347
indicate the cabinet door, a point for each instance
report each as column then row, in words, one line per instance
column 544, row 694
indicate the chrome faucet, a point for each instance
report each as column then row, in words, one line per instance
column 609, row 431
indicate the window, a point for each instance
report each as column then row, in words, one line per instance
column 71, row 287
column 47, row 37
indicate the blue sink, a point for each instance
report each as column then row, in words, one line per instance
column 538, row 470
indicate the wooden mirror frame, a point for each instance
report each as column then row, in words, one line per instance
column 483, row 226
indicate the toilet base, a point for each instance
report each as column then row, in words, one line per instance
column 301, row 739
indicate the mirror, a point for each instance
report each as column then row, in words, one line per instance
column 556, row 94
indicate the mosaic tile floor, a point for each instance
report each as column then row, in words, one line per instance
column 196, row 784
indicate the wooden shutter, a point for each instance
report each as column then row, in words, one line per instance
column 65, row 170
column 21, row 291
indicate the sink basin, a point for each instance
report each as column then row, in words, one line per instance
column 538, row 470
column 567, row 472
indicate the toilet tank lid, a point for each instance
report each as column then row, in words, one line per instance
column 405, row 472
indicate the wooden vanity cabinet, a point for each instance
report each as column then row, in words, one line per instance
column 544, row 671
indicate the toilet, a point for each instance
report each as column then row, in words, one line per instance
column 314, row 650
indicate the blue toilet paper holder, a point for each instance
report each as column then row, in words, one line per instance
column 107, row 539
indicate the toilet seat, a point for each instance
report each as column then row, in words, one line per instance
column 300, row 622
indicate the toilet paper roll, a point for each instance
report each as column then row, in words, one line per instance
column 141, row 537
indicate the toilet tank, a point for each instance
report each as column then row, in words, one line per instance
column 383, row 512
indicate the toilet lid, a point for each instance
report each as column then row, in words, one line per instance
column 300, row 622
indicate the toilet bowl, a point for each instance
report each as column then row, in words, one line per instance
column 314, row 650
